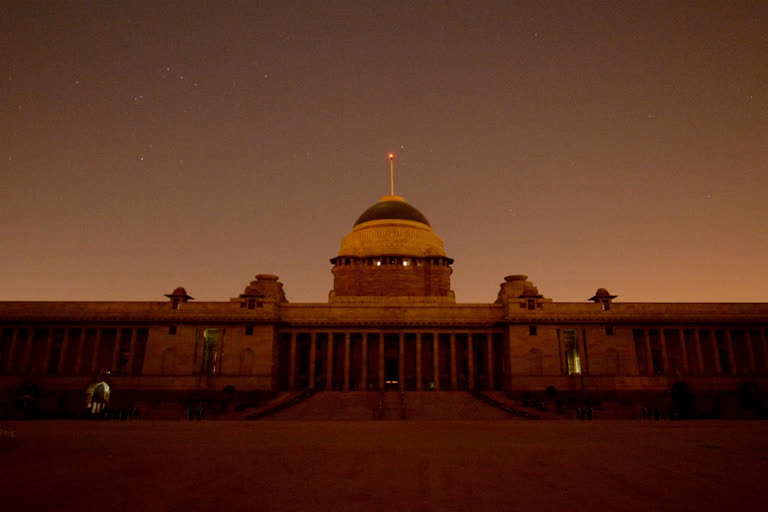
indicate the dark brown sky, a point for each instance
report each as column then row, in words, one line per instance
column 617, row 144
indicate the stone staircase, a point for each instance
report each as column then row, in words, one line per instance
column 390, row 406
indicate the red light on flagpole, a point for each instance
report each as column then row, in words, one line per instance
column 391, row 156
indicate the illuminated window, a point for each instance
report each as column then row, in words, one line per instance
column 406, row 262
column 571, row 346
column 378, row 263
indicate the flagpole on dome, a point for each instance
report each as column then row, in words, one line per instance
column 391, row 174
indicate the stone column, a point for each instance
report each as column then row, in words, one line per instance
column 96, row 349
column 47, row 353
column 79, row 357
column 664, row 356
column 419, row 380
column 312, row 360
column 401, row 362
column 12, row 350
column 329, row 376
column 716, row 350
column 436, row 359
column 699, row 354
column 364, row 368
column 131, row 352
column 683, row 350
column 489, row 338
column 765, row 346
column 116, row 350
column 453, row 361
column 750, row 352
column 649, row 354
column 729, row 342
column 381, row 360
column 63, row 354
column 346, row 360
column 471, row 361
column 292, row 363
column 28, row 350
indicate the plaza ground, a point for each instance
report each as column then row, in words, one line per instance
column 385, row 465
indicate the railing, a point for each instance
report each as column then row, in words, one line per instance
column 504, row 407
column 282, row 405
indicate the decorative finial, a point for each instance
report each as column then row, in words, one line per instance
column 392, row 174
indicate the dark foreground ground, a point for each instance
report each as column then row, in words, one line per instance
column 390, row 465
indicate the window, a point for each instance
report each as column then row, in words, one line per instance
column 532, row 331
column 606, row 304
column 249, row 330
column 531, row 304
column 172, row 330
column 251, row 303
column 571, row 346
column 609, row 330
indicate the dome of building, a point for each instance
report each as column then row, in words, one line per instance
column 392, row 227
column 390, row 208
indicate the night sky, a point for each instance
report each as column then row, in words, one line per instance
column 602, row 144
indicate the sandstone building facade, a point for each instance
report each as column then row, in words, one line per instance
column 391, row 322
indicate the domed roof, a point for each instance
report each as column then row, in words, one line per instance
column 392, row 208
column 392, row 227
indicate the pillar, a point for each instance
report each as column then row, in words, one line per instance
column 729, row 342
column 453, row 361
column 28, row 350
column 471, row 361
column 364, row 369
column 329, row 364
column 750, row 352
column 346, row 360
column 131, row 351
column 436, row 359
column 664, row 356
column 63, row 355
column 648, row 353
column 713, row 340
column 381, row 360
column 765, row 346
column 12, row 350
column 312, row 359
column 419, row 383
column 292, row 363
column 683, row 350
column 47, row 353
column 401, row 362
column 116, row 350
column 96, row 349
column 699, row 354
column 489, row 339
column 79, row 357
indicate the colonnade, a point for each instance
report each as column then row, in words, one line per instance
column 700, row 351
column 415, row 360
column 72, row 350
